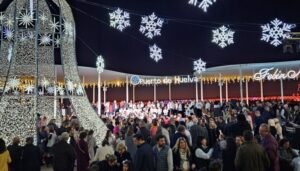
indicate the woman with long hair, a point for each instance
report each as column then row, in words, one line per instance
column 122, row 154
column 4, row 156
column 182, row 157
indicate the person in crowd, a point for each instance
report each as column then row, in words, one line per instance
column 131, row 147
column 109, row 164
column 296, row 163
column 31, row 156
column 91, row 143
column 286, row 155
column 228, row 154
column 15, row 151
column 241, row 126
column 127, row 166
column 103, row 151
column 144, row 159
column 239, row 140
column 270, row 144
column 250, row 156
column 52, row 138
column 163, row 155
column 180, row 133
column 198, row 129
column 258, row 120
column 203, row 154
column 63, row 154
column 215, row 165
column 182, row 156
column 144, row 132
column 122, row 154
column 110, row 138
column 153, row 129
column 82, row 152
column 4, row 156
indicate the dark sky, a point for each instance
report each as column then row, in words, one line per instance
column 186, row 34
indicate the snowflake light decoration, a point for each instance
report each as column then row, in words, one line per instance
column 8, row 33
column 204, row 4
column 45, row 39
column 119, row 19
column 9, row 22
column 151, row 26
column 100, row 64
column 223, row 36
column 276, row 32
column 29, row 89
column 14, row 83
column 23, row 37
column 199, row 66
column 45, row 82
column 30, row 35
column 26, row 19
column 60, row 91
column 155, row 53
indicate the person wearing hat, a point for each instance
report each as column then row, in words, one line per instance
column 109, row 164
column 31, row 158
column 63, row 154
column 144, row 158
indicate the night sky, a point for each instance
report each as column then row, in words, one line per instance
column 186, row 34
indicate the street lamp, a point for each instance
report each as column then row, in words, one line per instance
column 100, row 68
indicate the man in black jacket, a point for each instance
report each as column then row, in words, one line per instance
column 144, row 157
column 63, row 154
column 15, row 151
column 31, row 156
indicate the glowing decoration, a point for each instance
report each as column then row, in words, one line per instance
column 26, row 19
column 135, row 80
column 60, row 91
column 276, row 32
column 199, row 66
column 2, row 17
column 223, row 36
column 14, row 83
column 43, row 18
column 54, row 25
column 29, row 89
column 9, row 52
column 57, row 42
column 30, row 35
column 155, row 53
column 204, row 4
column 79, row 91
column 51, row 90
column 277, row 74
column 16, row 93
column 31, row 8
column 23, row 37
column 100, row 64
column 68, row 29
column 9, row 22
column 41, row 93
column 8, row 34
column 70, row 86
column 45, row 83
column 119, row 19
column 45, row 40
column 151, row 26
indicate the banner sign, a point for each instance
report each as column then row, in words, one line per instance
column 275, row 74
column 136, row 80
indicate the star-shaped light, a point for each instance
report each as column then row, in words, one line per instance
column 155, row 53
column 30, row 35
column 8, row 33
column 45, row 82
column 57, row 42
column 29, row 89
column 54, row 25
column 23, row 37
column 26, row 19
column 2, row 17
column 14, row 83
column 43, row 18
column 45, row 39
column 9, row 22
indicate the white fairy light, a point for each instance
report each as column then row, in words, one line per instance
column 223, row 36
column 43, row 18
column 45, row 40
column 79, row 90
column 26, row 19
column 204, row 4
column 10, row 49
column 8, row 33
column 151, row 26
column 276, row 31
column 119, row 19
column 29, row 89
column 199, row 66
column 2, row 17
column 70, row 86
column 14, row 83
column 54, row 25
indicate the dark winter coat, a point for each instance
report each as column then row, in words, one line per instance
column 63, row 157
column 144, row 158
column 31, row 158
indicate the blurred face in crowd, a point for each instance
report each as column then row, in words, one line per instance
column 263, row 131
column 238, row 141
column 121, row 149
column 161, row 142
column 257, row 113
column 182, row 144
column 204, row 142
column 286, row 145
column 112, row 163
column 125, row 167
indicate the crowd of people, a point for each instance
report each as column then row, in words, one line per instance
column 167, row 136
